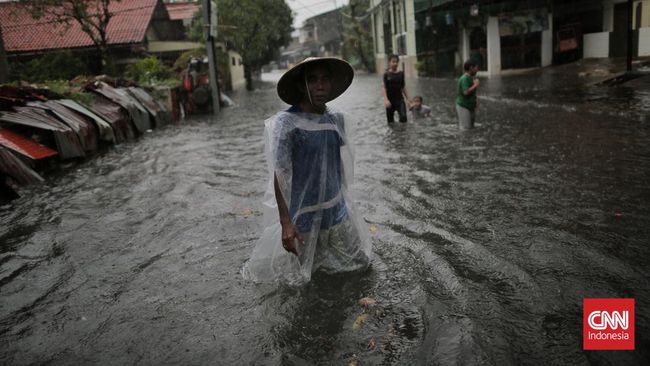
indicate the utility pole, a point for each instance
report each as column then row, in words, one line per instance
column 4, row 64
column 209, row 21
column 630, row 34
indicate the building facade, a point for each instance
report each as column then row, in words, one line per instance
column 435, row 37
column 611, row 40
column 393, row 31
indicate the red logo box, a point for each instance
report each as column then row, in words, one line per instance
column 608, row 324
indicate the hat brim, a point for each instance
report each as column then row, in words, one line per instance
column 341, row 78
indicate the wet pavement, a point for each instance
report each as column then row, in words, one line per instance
column 486, row 241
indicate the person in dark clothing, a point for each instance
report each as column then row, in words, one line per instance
column 394, row 91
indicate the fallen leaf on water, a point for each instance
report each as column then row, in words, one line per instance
column 373, row 229
column 367, row 301
column 372, row 344
column 361, row 319
column 354, row 361
column 247, row 212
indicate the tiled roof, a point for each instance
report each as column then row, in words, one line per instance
column 180, row 11
column 22, row 33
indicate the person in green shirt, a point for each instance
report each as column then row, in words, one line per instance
column 466, row 95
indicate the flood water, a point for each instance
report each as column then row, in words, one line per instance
column 486, row 242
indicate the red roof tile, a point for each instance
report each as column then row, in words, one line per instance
column 180, row 11
column 22, row 33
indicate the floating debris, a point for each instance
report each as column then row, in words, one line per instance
column 360, row 321
column 367, row 301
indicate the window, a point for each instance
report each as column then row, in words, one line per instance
column 234, row 63
column 240, row 63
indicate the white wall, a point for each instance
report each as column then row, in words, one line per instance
column 410, row 28
column 644, row 41
column 493, row 46
column 236, row 71
column 596, row 45
column 464, row 45
column 547, row 43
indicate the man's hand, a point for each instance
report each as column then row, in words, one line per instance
column 291, row 237
column 387, row 103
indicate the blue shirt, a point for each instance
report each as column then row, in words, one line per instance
column 315, row 158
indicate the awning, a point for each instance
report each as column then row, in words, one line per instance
column 420, row 5
column 172, row 46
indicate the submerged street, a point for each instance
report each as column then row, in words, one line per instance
column 486, row 241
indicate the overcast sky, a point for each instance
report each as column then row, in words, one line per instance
column 304, row 9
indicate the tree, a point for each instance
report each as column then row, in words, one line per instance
column 256, row 29
column 357, row 39
column 92, row 15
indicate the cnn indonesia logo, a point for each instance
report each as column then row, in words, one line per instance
column 608, row 324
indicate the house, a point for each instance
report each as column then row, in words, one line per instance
column 434, row 37
column 321, row 34
column 138, row 27
column 393, row 31
column 183, row 11
column 233, row 79
column 611, row 40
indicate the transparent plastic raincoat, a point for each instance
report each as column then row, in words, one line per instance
column 312, row 158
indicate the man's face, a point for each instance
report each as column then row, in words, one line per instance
column 473, row 70
column 393, row 63
column 319, row 85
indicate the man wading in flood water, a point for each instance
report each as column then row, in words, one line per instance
column 310, row 222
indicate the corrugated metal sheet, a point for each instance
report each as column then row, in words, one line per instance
column 67, row 141
column 84, row 130
column 105, row 130
column 18, row 170
column 24, row 145
column 138, row 113
column 117, row 116
column 157, row 111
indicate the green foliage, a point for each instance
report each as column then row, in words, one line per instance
column 223, row 67
column 196, row 32
column 64, row 88
column 148, row 70
column 63, row 65
column 182, row 60
column 255, row 29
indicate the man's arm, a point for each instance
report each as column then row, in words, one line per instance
column 383, row 89
column 472, row 88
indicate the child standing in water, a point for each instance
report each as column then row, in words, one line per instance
column 394, row 91
column 468, row 83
